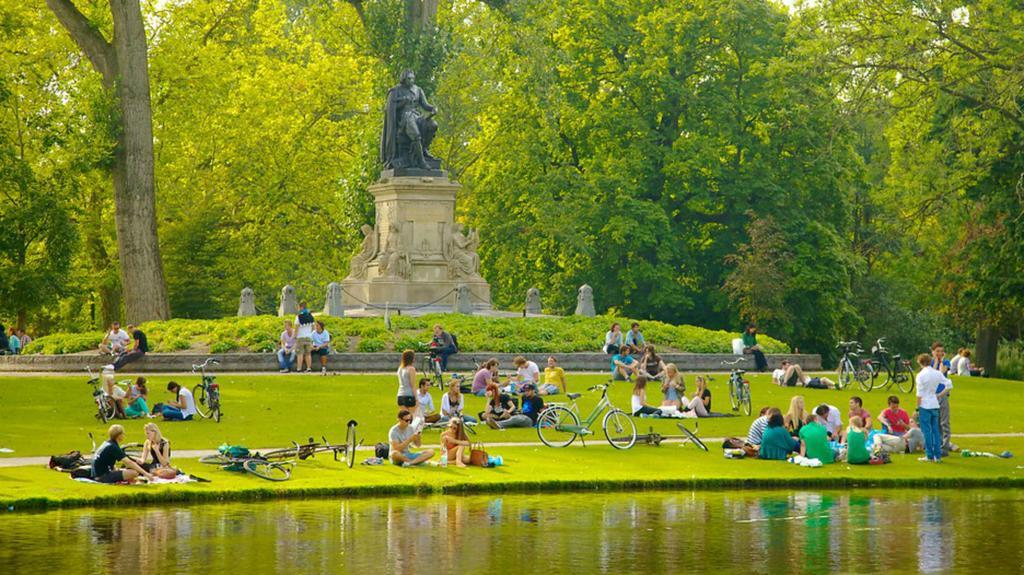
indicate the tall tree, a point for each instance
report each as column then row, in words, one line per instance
column 123, row 64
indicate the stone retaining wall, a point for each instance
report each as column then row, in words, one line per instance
column 374, row 362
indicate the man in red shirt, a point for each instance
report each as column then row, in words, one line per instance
column 857, row 410
column 895, row 419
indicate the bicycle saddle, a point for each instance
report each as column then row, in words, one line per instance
column 574, row 395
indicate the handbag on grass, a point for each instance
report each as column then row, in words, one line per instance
column 477, row 455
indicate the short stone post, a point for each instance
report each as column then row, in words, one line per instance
column 533, row 301
column 462, row 303
column 332, row 306
column 585, row 301
column 247, row 303
column 289, row 304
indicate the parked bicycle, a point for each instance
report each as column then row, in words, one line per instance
column 207, row 392
column 897, row 370
column 739, row 388
column 237, row 458
column 343, row 451
column 849, row 366
column 105, row 406
column 559, row 425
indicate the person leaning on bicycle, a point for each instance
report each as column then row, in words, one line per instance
column 442, row 345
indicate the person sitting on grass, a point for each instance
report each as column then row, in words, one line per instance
column 321, row 345
column 455, row 442
column 286, row 351
column 613, row 340
column 857, row 410
column 910, row 441
column 634, row 339
column 894, row 420
column 673, row 388
column 182, row 407
column 554, row 379
column 814, row 437
column 526, row 372
column 485, row 376
column 109, row 455
column 501, row 412
column 796, row 416
column 833, row 422
column 638, row 401
column 137, row 396
column 700, row 405
column 425, row 403
column 156, row 453
column 401, row 437
column 857, row 442
column 757, row 427
column 452, row 404
column 776, row 442
column 623, row 366
column 114, row 392
column 651, row 364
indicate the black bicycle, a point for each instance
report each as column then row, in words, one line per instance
column 343, row 451
column 207, row 392
column 897, row 370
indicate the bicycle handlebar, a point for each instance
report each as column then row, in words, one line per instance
column 203, row 365
column 739, row 359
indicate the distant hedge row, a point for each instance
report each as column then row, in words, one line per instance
column 475, row 333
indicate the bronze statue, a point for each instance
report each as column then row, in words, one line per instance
column 405, row 141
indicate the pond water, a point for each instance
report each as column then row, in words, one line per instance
column 651, row 532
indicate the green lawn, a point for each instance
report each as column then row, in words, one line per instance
column 47, row 415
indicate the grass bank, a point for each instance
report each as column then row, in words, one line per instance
column 526, row 469
column 475, row 333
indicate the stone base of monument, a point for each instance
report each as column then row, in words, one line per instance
column 416, row 255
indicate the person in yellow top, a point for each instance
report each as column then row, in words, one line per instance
column 554, row 377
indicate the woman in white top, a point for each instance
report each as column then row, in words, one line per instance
column 638, row 402
column 963, row 367
column 452, row 404
column 613, row 339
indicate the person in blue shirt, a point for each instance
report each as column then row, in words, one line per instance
column 623, row 366
column 321, row 345
column 634, row 339
column 14, row 342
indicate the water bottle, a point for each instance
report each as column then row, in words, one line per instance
column 444, row 454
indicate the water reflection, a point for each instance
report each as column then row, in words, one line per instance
column 813, row 532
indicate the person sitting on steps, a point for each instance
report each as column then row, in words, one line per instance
column 634, row 339
column 750, row 346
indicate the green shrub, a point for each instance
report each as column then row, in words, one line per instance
column 222, row 347
column 370, row 345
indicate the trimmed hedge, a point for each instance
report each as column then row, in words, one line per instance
column 475, row 333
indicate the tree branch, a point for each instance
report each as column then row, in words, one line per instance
column 88, row 38
column 358, row 5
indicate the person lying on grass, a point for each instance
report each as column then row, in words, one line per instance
column 156, row 453
column 109, row 455
column 776, row 442
column 814, row 437
column 182, row 407
column 794, row 376
column 856, row 442
column 455, row 442
column 402, row 436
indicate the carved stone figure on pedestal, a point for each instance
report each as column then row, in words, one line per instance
column 533, row 301
column 359, row 262
column 247, row 303
column 460, row 251
column 333, row 306
column 405, row 141
column 289, row 304
column 394, row 260
column 585, row 301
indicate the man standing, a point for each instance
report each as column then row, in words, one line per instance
column 940, row 363
column 115, row 342
column 928, row 381
column 304, row 337
column 403, row 435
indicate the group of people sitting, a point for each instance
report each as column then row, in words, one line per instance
column 124, row 348
column 132, row 403
column 301, row 341
column 12, row 342
column 154, row 462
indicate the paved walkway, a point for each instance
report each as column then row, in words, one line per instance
column 197, row 453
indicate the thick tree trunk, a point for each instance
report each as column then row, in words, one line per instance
column 986, row 349
column 142, row 274
column 124, row 67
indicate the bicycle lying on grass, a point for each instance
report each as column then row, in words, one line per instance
column 559, row 425
column 237, row 458
column 344, row 451
column 739, row 388
column 207, row 392
column 654, row 438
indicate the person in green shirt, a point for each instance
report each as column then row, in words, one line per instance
column 750, row 346
column 814, row 438
column 777, row 443
column 856, row 442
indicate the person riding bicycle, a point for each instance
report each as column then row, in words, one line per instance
column 442, row 345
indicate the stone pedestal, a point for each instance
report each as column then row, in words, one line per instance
column 416, row 254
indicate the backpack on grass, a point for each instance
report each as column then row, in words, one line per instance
column 381, row 451
column 69, row 460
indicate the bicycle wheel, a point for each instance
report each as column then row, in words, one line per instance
column 845, row 375
column 745, row 398
column 215, row 459
column 133, row 450
column 552, row 427
column 104, row 409
column 692, row 437
column 202, row 401
column 619, row 429
column 905, row 377
column 733, row 395
column 869, row 382
column 350, row 444
column 268, row 469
